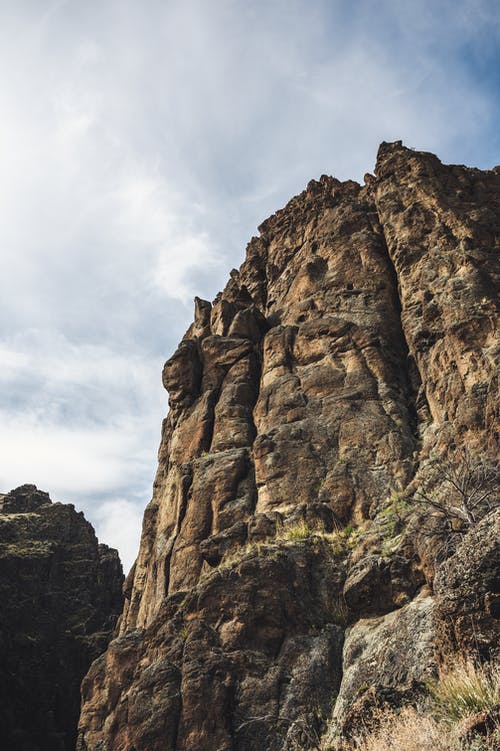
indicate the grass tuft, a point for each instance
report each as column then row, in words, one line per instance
column 466, row 689
column 296, row 532
column 407, row 730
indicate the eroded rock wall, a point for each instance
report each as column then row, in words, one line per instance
column 60, row 599
column 442, row 229
column 357, row 340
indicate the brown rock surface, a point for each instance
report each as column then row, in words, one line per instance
column 60, row 594
column 442, row 228
column 356, row 342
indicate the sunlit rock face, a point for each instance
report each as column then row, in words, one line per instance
column 356, row 343
column 60, row 599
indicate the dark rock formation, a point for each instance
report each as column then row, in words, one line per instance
column 60, row 594
column 355, row 348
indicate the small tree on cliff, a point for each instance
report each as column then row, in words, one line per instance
column 459, row 492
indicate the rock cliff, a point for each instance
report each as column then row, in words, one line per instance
column 60, row 595
column 301, row 555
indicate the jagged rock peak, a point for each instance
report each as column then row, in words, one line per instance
column 22, row 500
column 351, row 362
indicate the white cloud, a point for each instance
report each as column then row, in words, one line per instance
column 141, row 144
column 119, row 522
column 85, row 466
column 73, row 461
column 82, row 421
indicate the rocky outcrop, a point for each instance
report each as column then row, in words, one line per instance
column 61, row 596
column 386, row 660
column 467, row 591
column 355, row 348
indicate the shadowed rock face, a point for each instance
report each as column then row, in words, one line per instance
column 60, row 595
column 356, row 342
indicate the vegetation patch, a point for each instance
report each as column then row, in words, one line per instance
column 465, row 690
column 296, row 532
column 394, row 515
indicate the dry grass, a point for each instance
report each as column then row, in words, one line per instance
column 411, row 730
column 296, row 532
column 407, row 731
column 339, row 541
column 465, row 690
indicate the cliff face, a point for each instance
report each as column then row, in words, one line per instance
column 287, row 558
column 61, row 595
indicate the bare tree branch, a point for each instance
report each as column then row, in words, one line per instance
column 461, row 491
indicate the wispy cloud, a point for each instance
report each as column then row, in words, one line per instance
column 140, row 146
column 83, row 421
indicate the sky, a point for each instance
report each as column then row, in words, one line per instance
column 141, row 144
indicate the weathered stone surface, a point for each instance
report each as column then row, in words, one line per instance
column 243, row 655
column 377, row 584
column 467, row 588
column 356, row 341
column 442, row 228
column 390, row 657
column 60, row 594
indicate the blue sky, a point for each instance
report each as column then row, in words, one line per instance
column 141, row 143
